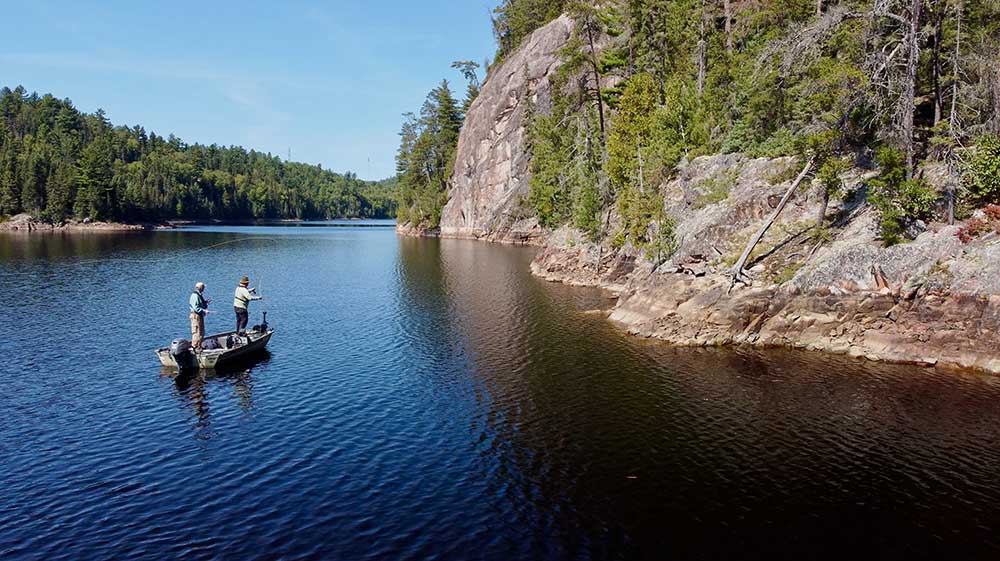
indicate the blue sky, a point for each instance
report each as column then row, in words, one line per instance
column 327, row 79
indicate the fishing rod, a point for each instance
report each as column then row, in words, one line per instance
column 259, row 291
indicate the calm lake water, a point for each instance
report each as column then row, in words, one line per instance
column 429, row 399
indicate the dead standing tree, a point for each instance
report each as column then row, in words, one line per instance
column 908, row 103
column 955, row 76
column 702, row 52
column 893, row 66
column 727, row 11
column 953, row 125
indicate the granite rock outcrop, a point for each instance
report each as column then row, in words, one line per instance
column 492, row 165
column 933, row 300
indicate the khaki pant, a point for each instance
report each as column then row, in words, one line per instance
column 197, row 330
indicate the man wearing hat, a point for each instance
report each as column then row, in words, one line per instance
column 241, row 303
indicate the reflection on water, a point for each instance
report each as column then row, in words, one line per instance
column 192, row 388
column 605, row 443
column 430, row 399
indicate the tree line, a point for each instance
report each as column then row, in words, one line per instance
column 426, row 156
column 646, row 84
column 58, row 163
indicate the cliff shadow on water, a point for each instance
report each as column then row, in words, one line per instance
column 596, row 443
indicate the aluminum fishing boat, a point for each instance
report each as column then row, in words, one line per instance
column 217, row 350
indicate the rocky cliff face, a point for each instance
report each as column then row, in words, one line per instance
column 492, row 164
column 931, row 301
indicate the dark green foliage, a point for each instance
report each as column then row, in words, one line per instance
column 587, row 209
column 513, row 20
column 780, row 80
column 898, row 201
column 9, row 191
column 58, row 163
column 469, row 69
column 632, row 132
column 565, row 169
column 829, row 176
column 552, row 146
column 426, row 158
column 567, row 184
column 646, row 84
column 983, row 177
column 628, row 155
column 651, row 132
column 613, row 59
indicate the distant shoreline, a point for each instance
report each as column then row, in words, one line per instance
column 25, row 223
column 28, row 224
column 260, row 221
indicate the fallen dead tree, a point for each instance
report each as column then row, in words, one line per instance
column 737, row 271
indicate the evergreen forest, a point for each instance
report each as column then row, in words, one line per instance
column 58, row 163
column 645, row 85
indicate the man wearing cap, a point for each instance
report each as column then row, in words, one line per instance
column 199, row 307
column 241, row 303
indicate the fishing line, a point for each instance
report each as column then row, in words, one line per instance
column 152, row 260
column 171, row 257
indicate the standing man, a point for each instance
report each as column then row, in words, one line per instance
column 199, row 307
column 241, row 303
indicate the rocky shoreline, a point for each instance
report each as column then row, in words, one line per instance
column 827, row 285
column 921, row 323
column 26, row 223
column 932, row 301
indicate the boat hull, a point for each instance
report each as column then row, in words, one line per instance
column 209, row 359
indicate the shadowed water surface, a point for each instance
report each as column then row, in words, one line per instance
column 429, row 399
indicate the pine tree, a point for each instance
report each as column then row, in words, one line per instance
column 10, row 202
column 61, row 191
column 94, row 179
column 426, row 157
column 34, row 173
column 468, row 69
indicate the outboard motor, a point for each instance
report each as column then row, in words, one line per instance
column 180, row 349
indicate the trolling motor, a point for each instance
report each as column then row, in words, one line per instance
column 262, row 328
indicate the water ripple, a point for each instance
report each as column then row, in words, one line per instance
column 429, row 399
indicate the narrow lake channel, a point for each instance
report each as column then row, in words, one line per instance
column 430, row 399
